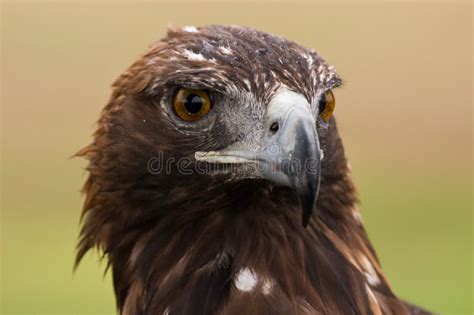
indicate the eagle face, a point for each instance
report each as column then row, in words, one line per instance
column 212, row 145
column 230, row 100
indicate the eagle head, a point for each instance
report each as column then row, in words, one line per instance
column 217, row 167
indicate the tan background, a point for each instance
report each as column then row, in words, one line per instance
column 405, row 113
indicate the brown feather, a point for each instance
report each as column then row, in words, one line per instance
column 176, row 242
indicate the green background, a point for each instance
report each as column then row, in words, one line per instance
column 405, row 114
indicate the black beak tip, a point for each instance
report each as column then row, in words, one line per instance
column 307, row 202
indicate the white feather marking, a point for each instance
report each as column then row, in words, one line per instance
column 370, row 273
column 191, row 55
column 267, row 286
column 309, row 59
column 247, row 83
column 322, row 76
column 152, row 61
column 190, row 29
column 225, row 50
column 357, row 216
column 246, row 280
column 167, row 311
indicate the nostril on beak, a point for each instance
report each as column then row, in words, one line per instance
column 274, row 127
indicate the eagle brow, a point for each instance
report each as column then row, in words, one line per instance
column 197, row 83
column 335, row 82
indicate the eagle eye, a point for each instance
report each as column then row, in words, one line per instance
column 327, row 103
column 191, row 104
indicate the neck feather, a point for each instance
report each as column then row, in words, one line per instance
column 221, row 255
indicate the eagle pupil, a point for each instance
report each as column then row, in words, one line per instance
column 322, row 103
column 193, row 103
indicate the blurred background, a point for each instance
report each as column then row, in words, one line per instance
column 405, row 113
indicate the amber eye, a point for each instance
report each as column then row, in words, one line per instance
column 327, row 103
column 191, row 104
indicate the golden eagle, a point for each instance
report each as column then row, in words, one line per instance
column 218, row 184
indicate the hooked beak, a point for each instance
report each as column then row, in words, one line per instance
column 290, row 154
